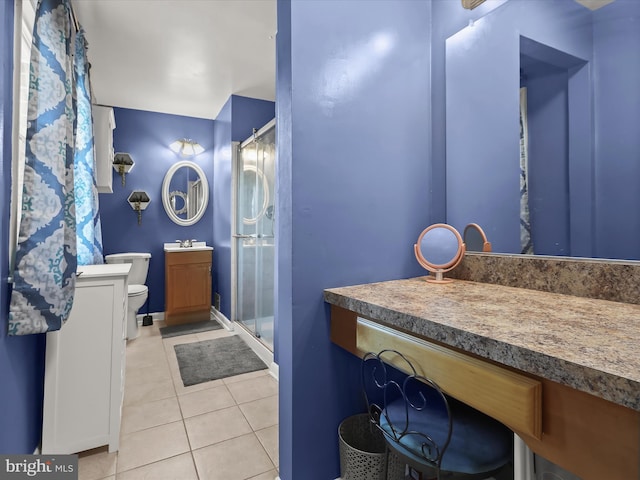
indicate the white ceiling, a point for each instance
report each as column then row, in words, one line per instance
column 184, row 57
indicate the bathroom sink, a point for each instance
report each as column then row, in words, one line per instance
column 195, row 246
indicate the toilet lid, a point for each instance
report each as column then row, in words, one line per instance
column 136, row 289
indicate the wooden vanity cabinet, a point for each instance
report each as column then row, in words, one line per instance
column 187, row 286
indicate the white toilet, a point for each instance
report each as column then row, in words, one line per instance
column 138, row 291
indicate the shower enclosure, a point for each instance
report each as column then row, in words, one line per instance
column 253, row 233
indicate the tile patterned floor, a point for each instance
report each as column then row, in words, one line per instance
column 226, row 429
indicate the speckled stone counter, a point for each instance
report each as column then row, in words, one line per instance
column 586, row 344
column 605, row 279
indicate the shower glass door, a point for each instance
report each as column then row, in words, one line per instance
column 254, row 233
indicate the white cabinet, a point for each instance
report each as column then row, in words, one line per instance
column 104, row 122
column 85, row 365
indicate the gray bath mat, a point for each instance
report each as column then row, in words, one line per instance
column 187, row 328
column 213, row 359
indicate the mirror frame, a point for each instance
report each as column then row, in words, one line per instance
column 266, row 195
column 166, row 195
column 486, row 244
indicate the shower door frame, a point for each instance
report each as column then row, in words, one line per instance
column 236, row 146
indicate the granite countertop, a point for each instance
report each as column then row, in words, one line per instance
column 587, row 344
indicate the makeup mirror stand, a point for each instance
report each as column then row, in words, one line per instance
column 426, row 250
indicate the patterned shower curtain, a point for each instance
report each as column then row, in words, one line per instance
column 89, row 233
column 526, row 244
column 44, row 277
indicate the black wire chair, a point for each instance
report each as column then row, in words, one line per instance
column 433, row 433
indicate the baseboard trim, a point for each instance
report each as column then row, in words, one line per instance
column 274, row 370
column 222, row 319
column 157, row 316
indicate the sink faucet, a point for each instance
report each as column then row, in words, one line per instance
column 186, row 243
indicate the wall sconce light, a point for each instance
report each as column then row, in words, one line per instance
column 471, row 4
column 185, row 147
column 139, row 201
column 594, row 4
column 122, row 163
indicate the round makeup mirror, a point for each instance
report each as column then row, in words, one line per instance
column 185, row 193
column 475, row 239
column 439, row 249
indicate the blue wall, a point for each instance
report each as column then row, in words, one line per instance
column 617, row 159
column 354, row 152
column 147, row 136
column 247, row 114
column 222, row 208
column 21, row 358
column 235, row 123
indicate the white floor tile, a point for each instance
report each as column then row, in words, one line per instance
column 192, row 433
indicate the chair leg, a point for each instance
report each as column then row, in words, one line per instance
column 522, row 460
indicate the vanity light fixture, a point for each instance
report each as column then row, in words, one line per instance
column 139, row 201
column 185, row 147
column 123, row 163
column 594, row 4
column 471, row 4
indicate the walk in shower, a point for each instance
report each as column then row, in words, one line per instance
column 253, row 232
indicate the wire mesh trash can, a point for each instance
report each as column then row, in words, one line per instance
column 363, row 452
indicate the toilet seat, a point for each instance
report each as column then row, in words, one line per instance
column 136, row 290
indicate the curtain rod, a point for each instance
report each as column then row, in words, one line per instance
column 74, row 17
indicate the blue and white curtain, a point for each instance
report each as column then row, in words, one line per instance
column 89, row 233
column 46, row 261
column 526, row 244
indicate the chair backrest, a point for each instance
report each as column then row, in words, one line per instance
column 410, row 409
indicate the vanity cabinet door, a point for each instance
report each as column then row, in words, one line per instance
column 187, row 286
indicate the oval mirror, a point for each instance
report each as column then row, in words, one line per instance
column 185, row 193
column 439, row 249
column 255, row 192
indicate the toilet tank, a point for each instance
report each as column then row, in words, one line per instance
column 139, row 265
